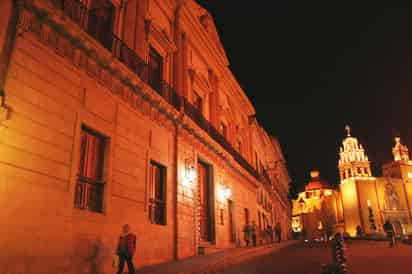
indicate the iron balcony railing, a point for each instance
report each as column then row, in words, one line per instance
column 157, row 211
column 266, row 178
column 89, row 194
column 191, row 111
column 165, row 90
column 91, row 22
column 95, row 24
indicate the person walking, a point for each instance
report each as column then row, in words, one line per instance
column 246, row 233
column 270, row 234
column 126, row 248
column 359, row 231
column 278, row 231
column 390, row 233
column 253, row 232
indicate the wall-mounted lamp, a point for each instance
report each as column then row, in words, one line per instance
column 224, row 192
column 228, row 193
column 190, row 173
column 368, row 202
column 327, row 192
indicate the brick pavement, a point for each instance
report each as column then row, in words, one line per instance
column 369, row 257
column 364, row 257
column 213, row 262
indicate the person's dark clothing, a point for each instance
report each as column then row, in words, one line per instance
column 254, row 238
column 246, row 231
column 390, row 233
column 359, row 231
column 129, row 261
column 126, row 248
column 278, row 231
column 270, row 234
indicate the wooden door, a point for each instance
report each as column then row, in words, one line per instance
column 204, row 201
column 232, row 226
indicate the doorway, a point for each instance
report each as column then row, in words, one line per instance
column 206, row 203
column 101, row 18
column 232, row 225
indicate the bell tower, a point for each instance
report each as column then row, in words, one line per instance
column 400, row 152
column 401, row 166
column 353, row 161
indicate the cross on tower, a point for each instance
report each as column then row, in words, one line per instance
column 347, row 128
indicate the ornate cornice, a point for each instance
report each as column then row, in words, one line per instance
column 57, row 32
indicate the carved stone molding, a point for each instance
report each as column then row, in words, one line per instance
column 86, row 54
column 155, row 34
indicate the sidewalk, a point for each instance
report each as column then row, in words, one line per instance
column 215, row 261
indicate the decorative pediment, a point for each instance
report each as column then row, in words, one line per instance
column 199, row 82
column 159, row 36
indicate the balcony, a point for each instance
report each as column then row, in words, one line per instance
column 92, row 23
column 89, row 194
column 157, row 211
column 191, row 111
column 165, row 90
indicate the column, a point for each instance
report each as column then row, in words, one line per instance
column 177, row 76
column 214, row 100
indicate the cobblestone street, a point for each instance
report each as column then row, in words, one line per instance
column 364, row 257
column 302, row 258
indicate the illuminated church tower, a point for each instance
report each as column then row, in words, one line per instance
column 353, row 160
column 401, row 166
column 400, row 152
column 369, row 201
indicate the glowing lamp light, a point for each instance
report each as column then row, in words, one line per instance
column 410, row 175
column 368, row 202
column 228, row 193
column 320, row 225
column 190, row 174
column 224, row 193
column 328, row 192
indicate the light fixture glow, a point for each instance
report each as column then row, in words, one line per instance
column 228, row 193
column 328, row 192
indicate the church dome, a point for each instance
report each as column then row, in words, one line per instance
column 316, row 182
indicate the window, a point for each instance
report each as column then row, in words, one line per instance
column 157, row 200
column 247, row 216
column 101, row 21
column 256, row 161
column 197, row 102
column 155, row 70
column 239, row 146
column 90, row 187
column 221, row 216
column 223, row 130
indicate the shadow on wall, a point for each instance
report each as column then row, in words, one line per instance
column 89, row 256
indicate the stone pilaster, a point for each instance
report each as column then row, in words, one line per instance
column 214, row 99
column 142, row 34
column 178, row 58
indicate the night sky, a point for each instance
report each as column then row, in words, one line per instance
column 310, row 67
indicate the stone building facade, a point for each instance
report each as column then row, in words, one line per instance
column 368, row 201
column 114, row 112
column 317, row 212
column 363, row 202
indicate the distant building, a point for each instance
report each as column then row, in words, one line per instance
column 316, row 212
column 369, row 201
column 363, row 202
column 125, row 111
